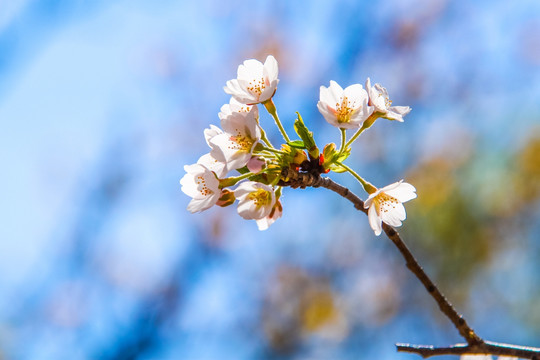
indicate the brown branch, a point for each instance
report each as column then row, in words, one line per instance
column 475, row 344
column 487, row 347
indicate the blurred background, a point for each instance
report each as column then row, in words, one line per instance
column 102, row 103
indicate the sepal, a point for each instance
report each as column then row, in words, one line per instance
column 227, row 198
column 331, row 157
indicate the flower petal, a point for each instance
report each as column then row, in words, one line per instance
column 213, row 164
column 374, row 220
column 356, row 92
column 394, row 216
column 235, row 156
column 271, row 68
column 335, row 92
column 250, row 69
column 397, row 112
column 198, row 205
column 403, row 192
column 244, row 209
column 370, row 198
column 211, row 132
column 390, row 187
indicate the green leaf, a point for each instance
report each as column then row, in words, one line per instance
column 337, row 168
column 306, row 135
column 299, row 144
column 344, row 155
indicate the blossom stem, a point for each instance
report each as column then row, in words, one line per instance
column 368, row 187
column 343, row 140
column 266, row 154
column 265, row 139
column 271, row 108
column 263, row 135
column 233, row 180
column 366, row 125
column 264, row 148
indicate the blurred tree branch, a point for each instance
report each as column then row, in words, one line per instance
column 485, row 347
column 475, row 344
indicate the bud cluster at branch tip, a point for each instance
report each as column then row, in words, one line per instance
column 240, row 144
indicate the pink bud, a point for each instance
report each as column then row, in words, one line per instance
column 255, row 164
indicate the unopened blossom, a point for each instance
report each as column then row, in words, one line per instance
column 378, row 98
column 256, row 164
column 236, row 106
column 202, row 186
column 346, row 109
column 236, row 143
column 256, row 200
column 256, row 82
column 386, row 205
column 269, row 219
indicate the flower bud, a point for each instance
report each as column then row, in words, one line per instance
column 255, row 164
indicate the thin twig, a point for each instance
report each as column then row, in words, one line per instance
column 475, row 344
column 487, row 347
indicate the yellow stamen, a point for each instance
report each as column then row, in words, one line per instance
column 260, row 197
column 345, row 109
column 385, row 203
column 202, row 187
column 257, row 86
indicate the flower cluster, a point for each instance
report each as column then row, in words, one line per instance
column 241, row 145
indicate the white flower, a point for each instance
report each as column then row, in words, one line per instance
column 202, row 185
column 213, row 164
column 346, row 109
column 256, row 200
column 378, row 97
column 211, row 132
column 236, row 106
column 268, row 220
column 238, row 140
column 386, row 205
column 256, row 82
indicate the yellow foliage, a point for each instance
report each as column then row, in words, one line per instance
column 318, row 310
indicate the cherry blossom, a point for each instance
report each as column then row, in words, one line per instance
column 265, row 222
column 256, row 82
column 236, row 106
column 256, row 200
column 238, row 140
column 217, row 166
column 378, row 97
column 386, row 205
column 346, row 109
column 211, row 132
column 216, row 161
column 202, row 186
